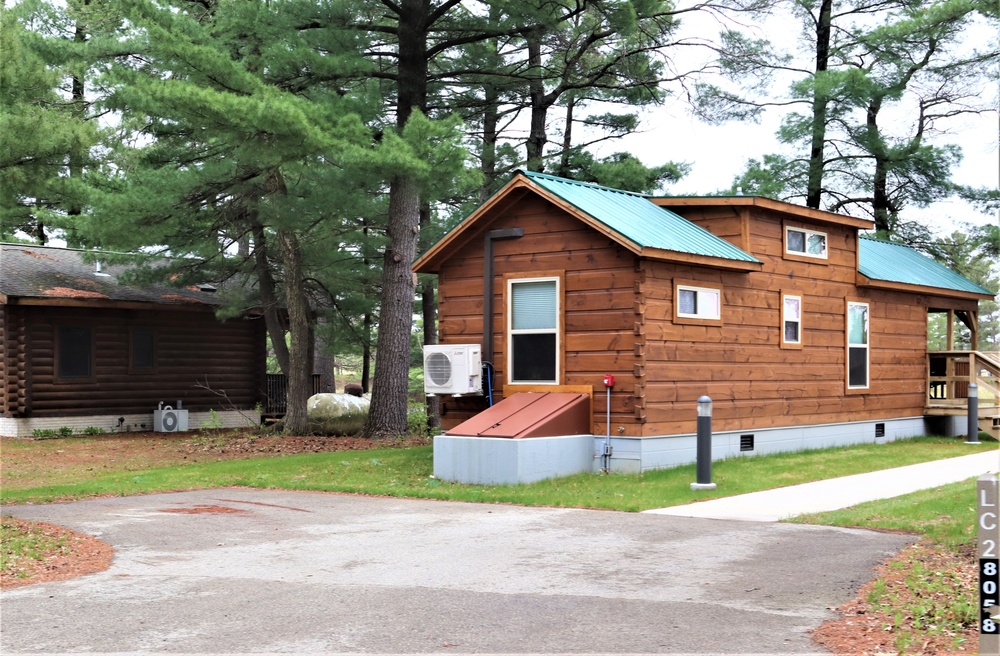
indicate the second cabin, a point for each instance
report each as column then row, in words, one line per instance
column 803, row 332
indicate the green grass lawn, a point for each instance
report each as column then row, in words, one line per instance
column 407, row 472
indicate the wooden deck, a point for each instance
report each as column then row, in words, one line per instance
column 949, row 376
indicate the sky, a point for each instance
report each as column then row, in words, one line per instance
column 717, row 154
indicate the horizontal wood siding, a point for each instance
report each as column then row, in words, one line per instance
column 206, row 363
column 619, row 319
column 753, row 382
column 598, row 300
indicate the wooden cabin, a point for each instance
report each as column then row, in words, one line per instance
column 802, row 331
column 79, row 350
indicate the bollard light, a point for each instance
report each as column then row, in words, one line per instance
column 704, row 446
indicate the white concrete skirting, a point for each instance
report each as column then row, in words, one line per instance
column 132, row 423
column 507, row 461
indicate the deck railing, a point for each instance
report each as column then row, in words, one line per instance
column 276, row 394
column 949, row 374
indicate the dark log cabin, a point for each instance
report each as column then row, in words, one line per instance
column 802, row 331
column 79, row 350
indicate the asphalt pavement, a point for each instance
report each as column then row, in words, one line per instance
column 229, row 571
column 257, row 571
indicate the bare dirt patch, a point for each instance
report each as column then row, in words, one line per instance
column 76, row 555
column 865, row 629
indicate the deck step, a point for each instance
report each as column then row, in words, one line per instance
column 991, row 425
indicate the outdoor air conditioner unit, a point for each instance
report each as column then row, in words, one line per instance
column 454, row 369
column 169, row 420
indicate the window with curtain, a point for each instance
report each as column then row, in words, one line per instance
column 791, row 314
column 533, row 331
column 698, row 302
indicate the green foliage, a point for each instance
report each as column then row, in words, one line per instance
column 93, row 430
column 214, row 421
column 44, row 433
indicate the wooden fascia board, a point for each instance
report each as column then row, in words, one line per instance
column 865, row 281
column 430, row 261
column 766, row 203
column 701, row 260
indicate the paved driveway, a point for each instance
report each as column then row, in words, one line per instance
column 248, row 571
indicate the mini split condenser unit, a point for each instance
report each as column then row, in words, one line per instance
column 169, row 420
column 454, row 369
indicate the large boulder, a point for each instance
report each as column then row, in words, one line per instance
column 321, row 407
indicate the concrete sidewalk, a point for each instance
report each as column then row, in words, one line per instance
column 832, row 494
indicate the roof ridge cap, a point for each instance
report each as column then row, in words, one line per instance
column 530, row 174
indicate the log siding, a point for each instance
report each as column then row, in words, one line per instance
column 206, row 363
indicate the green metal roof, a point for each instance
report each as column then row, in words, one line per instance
column 891, row 262
column 636, row 218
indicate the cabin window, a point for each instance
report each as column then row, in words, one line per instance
column 857, row 345
column 808, row 243
column 533, row 330
column 142, row 353
column 75, row 352
column 698, row 302
column 791, row 320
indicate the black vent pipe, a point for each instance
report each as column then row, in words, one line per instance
column 491, row 236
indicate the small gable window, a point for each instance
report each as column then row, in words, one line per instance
column 698, row 302
column 75, row 352
column 533, row 330
column 807, row 243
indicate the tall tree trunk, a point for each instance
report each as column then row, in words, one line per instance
column 76, row 157
column 537, row 137
column 814, row 190
column 880, row 195
column 323, row 359
column 299, row 373
column 567, row 143
column 269, row 297
column 366, row 355
column 387, row 414
column 491, row 120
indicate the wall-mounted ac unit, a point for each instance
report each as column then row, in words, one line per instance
column 454, row 369
column 169, row 420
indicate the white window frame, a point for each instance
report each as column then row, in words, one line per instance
column 699, row 314
column 866, row 345
column 785, row 320
column 806, row 232
column 557, row 330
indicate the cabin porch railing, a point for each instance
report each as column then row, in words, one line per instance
column 949, row 374
column 276, row 394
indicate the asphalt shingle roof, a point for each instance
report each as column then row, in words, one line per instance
column 891, row 262
column 29, row 271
